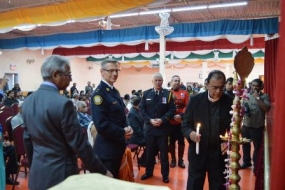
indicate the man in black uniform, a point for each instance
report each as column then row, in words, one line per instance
column 157, row 107
column 108, row 114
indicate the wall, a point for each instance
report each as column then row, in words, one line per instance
column 83, row 71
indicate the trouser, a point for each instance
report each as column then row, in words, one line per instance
column 176, row 135
column 213, row 166
column 113, row 165
column 154, row 143
column 256, row 135
column 11, row 166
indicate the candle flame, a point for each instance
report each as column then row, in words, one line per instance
column 198, row 125
column 226, row 134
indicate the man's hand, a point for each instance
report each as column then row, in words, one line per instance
column 128, row 132
column 109, row 174
column 224, row 148
column 195, row 137
column 156, row 122
column 178, row 118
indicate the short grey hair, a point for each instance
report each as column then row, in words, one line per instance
column 104, row 62
column 80, row 104
column 54, row 63
column 157, row 75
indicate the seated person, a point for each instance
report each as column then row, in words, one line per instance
column 83, row 117
column 136, row 122
column 17, row 120
column 11, row 162
column 10, row 99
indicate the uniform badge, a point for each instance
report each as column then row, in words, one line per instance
column 182, row 95
column 164, row 100
column 108, row 89
column 97, row 100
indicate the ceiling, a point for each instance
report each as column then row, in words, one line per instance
column 253, row 10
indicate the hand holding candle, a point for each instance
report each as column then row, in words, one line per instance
column 197, row 133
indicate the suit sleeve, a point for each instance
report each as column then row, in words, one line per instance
column 28, row 145
column 188, row 121
column 135, row 124
column 75, row 138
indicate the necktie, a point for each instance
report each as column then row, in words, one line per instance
column 155, row 94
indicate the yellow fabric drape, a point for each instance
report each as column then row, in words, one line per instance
column 70, row 10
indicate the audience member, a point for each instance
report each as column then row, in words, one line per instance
column 53, row 137
column 127, row 101
column 17, row 120
column 11, row 162
column 229, row 88
column 253, row 122
column 182, row 86
column 211, row 109
column 73, row 90
column 83, row 117
column 88, row 88
column 10, row 99
column 108, row 114
column 204, row 87
column 16, row 87
column 157, row 107
column 136, row 122
column 181, row 99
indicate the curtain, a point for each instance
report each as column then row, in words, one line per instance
column 277, row 170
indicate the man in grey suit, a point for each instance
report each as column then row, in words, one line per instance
column 53, row 136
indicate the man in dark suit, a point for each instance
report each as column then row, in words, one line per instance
column 108, row 114
column 157, row 107
column 136, row 122
column 211, row 109
column 53, row 136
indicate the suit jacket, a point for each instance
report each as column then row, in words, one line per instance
column 108, row 114
column 136, row 122
column 162, row 107
column 54, row 139
column 197, row 111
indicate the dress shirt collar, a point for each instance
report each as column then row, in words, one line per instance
column 50, row 84
column 108, row 84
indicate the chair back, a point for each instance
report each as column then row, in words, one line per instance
column 9, row 128
column 15, row 108
column 18, row 134
column 5, row 113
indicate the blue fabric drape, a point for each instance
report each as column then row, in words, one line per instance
column 223, row 27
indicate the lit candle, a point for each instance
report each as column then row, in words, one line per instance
column 197, row 143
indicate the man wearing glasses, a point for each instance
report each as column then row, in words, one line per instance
column 211, row 110
column 108, row 114
column 53, row 137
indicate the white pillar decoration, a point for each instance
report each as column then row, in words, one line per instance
column 204, row 71
column 163, row 30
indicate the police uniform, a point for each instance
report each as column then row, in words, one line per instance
column 162, row 107
column 181, row 99
column 108, row 114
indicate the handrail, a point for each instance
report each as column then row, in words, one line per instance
column 266, row 159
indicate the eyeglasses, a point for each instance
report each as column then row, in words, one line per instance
column 112, row 70
column 66, row 74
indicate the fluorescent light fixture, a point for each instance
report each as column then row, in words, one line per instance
column 227, row 5
column 124, row 15
column 189, row 8
column 155, row 12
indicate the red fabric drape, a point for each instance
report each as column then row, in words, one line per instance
column 154, row 47
column 277, row 171
column 269, row 88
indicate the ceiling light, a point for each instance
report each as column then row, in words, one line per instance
column 189, row 8
column 124, row 15
column 227, row 5
column 155, row 12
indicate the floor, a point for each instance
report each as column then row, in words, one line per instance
column 178, row 178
